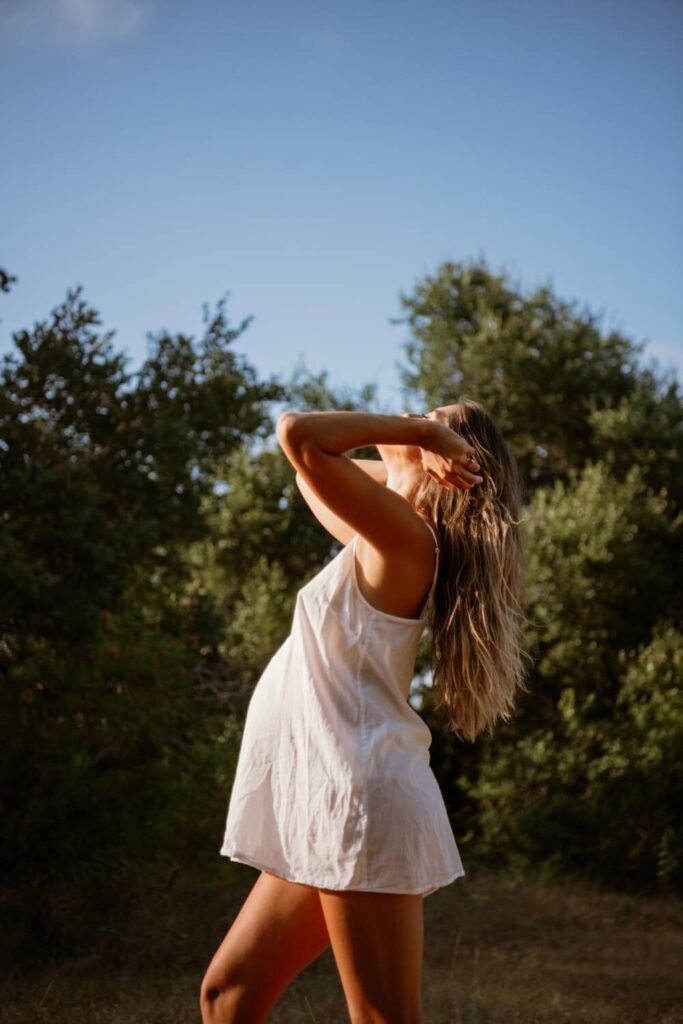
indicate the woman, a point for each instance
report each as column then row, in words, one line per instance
column 333, row 798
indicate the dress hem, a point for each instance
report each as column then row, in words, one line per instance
column 251, row 862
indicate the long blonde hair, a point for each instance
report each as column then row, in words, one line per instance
column 477, row 651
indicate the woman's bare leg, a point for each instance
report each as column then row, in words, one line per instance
column 377, row 940
column 278, row 931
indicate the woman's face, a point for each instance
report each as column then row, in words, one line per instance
column 442, row 413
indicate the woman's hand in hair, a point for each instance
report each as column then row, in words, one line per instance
column 445, row 457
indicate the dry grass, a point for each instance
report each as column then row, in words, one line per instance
column 498, row 951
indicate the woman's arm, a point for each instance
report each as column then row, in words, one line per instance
column 314, row 442
column 342, row 431
column 340, row 530
column 375, row 468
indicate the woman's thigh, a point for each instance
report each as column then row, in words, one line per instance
column 377, row 940
column 278, row 931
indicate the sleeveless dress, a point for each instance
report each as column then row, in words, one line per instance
column 333, row 786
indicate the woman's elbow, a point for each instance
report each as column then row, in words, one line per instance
column 284, row 422
column 296, row 445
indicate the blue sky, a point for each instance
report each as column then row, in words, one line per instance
column 314, row 159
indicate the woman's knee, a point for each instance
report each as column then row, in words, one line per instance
column 214, row 1003
column 278, row 931
column 230, row 1003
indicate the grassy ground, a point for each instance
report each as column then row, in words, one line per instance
column 498, row 951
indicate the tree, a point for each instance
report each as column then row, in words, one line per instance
column 108, row 752
column 100, row 480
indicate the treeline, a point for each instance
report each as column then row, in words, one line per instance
column 153, row 540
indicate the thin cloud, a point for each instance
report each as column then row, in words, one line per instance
column 83, row 21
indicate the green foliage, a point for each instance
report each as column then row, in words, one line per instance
column 99, row 479
column 597, row 795
column 105, row 775
column 601, row 557
column 6, row 280
column 645, row 429
column 112, row 759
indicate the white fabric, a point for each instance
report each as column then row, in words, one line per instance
column 333, row 786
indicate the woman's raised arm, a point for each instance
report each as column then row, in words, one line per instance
column 333, row 523
column 314, row 443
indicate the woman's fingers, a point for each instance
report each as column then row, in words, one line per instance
column 458, row 472
column 452, row 471
column 452, row 480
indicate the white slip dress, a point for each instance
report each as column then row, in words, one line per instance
column 333, row 786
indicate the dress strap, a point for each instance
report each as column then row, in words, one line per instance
column 436, row 539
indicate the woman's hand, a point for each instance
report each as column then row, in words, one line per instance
column 448, row 457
